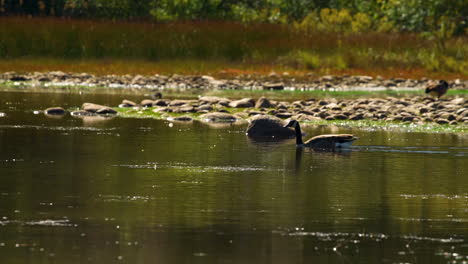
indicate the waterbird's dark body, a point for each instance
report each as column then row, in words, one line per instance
column 330, row 141
column 437, row 89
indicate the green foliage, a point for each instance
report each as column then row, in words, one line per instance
column 440, row 18
column 301, row 59
column 213, row 42
column 337, row 21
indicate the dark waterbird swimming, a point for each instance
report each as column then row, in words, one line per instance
column 329, row 142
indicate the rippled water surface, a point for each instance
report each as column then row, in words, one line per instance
column 120, row 190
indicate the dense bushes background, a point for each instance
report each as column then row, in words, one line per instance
column 231, row 42
column 445, row 17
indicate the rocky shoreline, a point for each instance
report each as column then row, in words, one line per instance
column 417, row 110
column 272, row 81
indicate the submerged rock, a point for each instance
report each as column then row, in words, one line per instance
column 55, row 111
column 181, row 118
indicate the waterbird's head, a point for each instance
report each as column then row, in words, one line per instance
column 292, row 123
column 444, row 83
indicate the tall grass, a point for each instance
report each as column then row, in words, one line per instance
column 214, row 42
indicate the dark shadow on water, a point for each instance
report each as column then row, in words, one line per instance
column 260, row 140
column 298, row 165
column 221, row 125
column 94, row 120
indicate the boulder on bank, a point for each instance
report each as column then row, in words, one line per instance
column 268, row 126
column 127, row 103
column 106, row 111
column 55, row 111
column 160, row 103
column 242, row 103
column 214, row 100
column 218, row 117
column 147, row 103
column 264, row 103
column 98, row 109
column 273, row 86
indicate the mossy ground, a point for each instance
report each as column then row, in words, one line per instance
column 363, row 124
column 287, row 95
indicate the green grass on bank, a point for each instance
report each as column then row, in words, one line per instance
column 232, row 94
column 363, row 124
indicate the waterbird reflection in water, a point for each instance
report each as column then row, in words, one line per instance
column 94, row 120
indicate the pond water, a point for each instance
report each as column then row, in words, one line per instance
column 148, row 191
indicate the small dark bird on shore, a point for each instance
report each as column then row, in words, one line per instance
column 156, row 95
column 437, row 89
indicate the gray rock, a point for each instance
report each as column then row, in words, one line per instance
column 282, row 106
column 55, row 111
column 268, row 126
column 93, row 108
column 182, row 118
column 324, row 114
column 179, row 102
column 458, row 101
column 98, row 109
column 205, row 107
column 407, row 118
column 340, row 117
column 273, row 86
column 183, row 109
column 106, row 111
column 82, row 113
column 218, row 117
column 253, row 113
column 147, row 103
column 423, row 110
column 242, row 103
column 357, row 117
column 442, row 121
column 263, row 103
column 448, row 116
column 212, row 100
column 283, row 115
column 127, row 103
column 305, row 117
column 160, row 103
column 19, row 78
column 388, row 83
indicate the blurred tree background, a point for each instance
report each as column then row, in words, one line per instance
column 443, row 18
